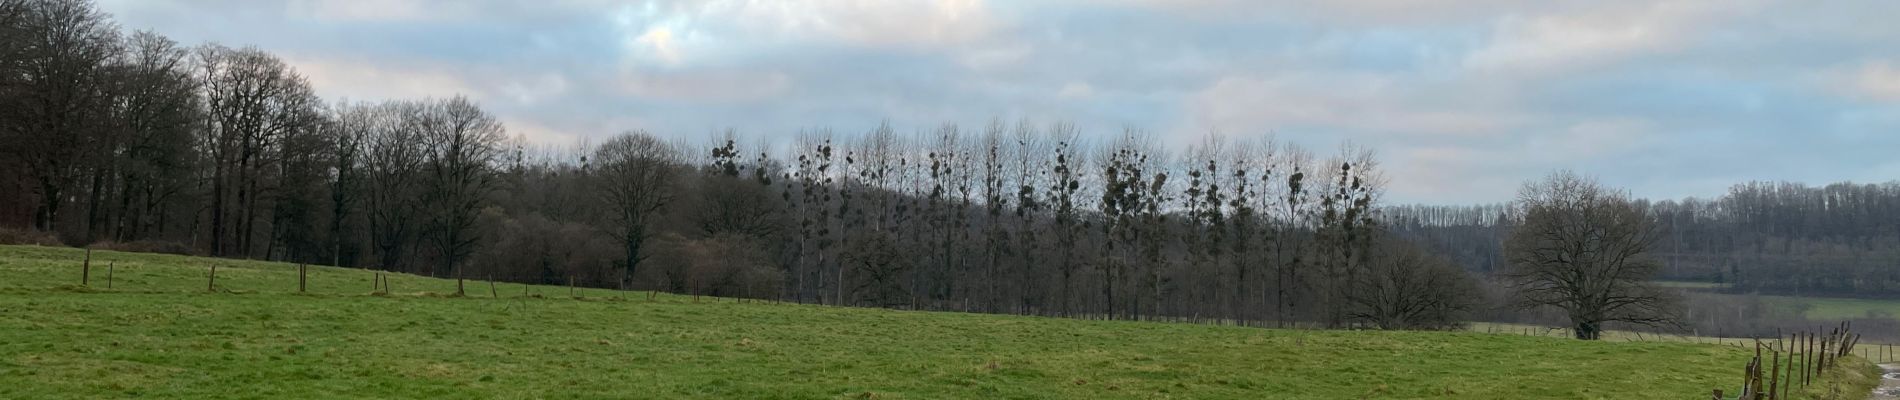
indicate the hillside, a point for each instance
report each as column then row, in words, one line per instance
column 159, row 333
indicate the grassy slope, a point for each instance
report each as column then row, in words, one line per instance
column 1820, row 308
column 160, row 334
column 1838, row 308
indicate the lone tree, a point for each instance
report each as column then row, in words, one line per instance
column 1583, row 248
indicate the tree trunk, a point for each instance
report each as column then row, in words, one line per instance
column 633, row 259
column 1589, row 330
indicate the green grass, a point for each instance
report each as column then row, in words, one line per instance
column 160, row 334
column 1690, row 285
column 1819, row 308
column 1829, row 308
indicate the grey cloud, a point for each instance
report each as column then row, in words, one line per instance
column 1463, row 97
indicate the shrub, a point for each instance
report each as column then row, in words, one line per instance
column 146, row 246
column 28, row 237
column 724, row 265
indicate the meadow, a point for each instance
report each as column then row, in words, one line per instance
column 1817, row 308
column 159, row 332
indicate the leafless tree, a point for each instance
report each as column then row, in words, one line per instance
column 252, row 101
column 1346, row 224
column 155, row 115
column 1065, row 209
column 58, row 98
column 1132, row 222
column 1026, row 172
column 635, row 177
column 991, row 161
column 392, row 176
column 1295, row 214
column 1405, row 287
column 731, row 201
column 461, row 144
column 1585, row 249
column 350, row 125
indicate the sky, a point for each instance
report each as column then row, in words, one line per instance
column 1462, row 100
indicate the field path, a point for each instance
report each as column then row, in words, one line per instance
column 1889, row 383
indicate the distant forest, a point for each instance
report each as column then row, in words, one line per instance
column 132, row 141
column 1841, row 239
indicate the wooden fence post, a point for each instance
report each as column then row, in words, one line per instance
column 85, row 270
column 109, row 265
column 1774, row 376
column 1788, row 387
column 491, row 287
column 1807, row 359
column 211, row 283
column 302, row 278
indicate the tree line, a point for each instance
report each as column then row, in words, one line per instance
column 1760, row 237
column 134, row 141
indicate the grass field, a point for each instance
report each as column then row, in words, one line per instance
column 1824, row 308
column 160, row 334
column 1819, row 308
column 1688, row 285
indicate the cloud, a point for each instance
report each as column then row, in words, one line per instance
column 1588, row 37
column 1465, row 97
column 1361, row 103
column 383, row 10
column 706, row 86
column 678, row 32
column 369, row 81
column 1076, row 90
column 1874, row 80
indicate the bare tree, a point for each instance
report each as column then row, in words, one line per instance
column 1065, row 210
column 252, row 101
column 990, row 158
column 156, row 113
column 1132, row 221
column 1585, row 249
column 392, row 172
column 461, row 144
column 1027, row 169
column 731, row 203
column 1295, row 215
column 634, row 174
column 58, row 98
column 1252, row 167
column 349, row 129
column 1346, row 217
column 1405, row 287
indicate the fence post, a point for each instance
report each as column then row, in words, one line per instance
column 211, row 283
column 85, row 270
column 1807, row 359
column 1787, row 388
column 109, row 265
column 302, row 277
column 1774, row 376
column 491, row 287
